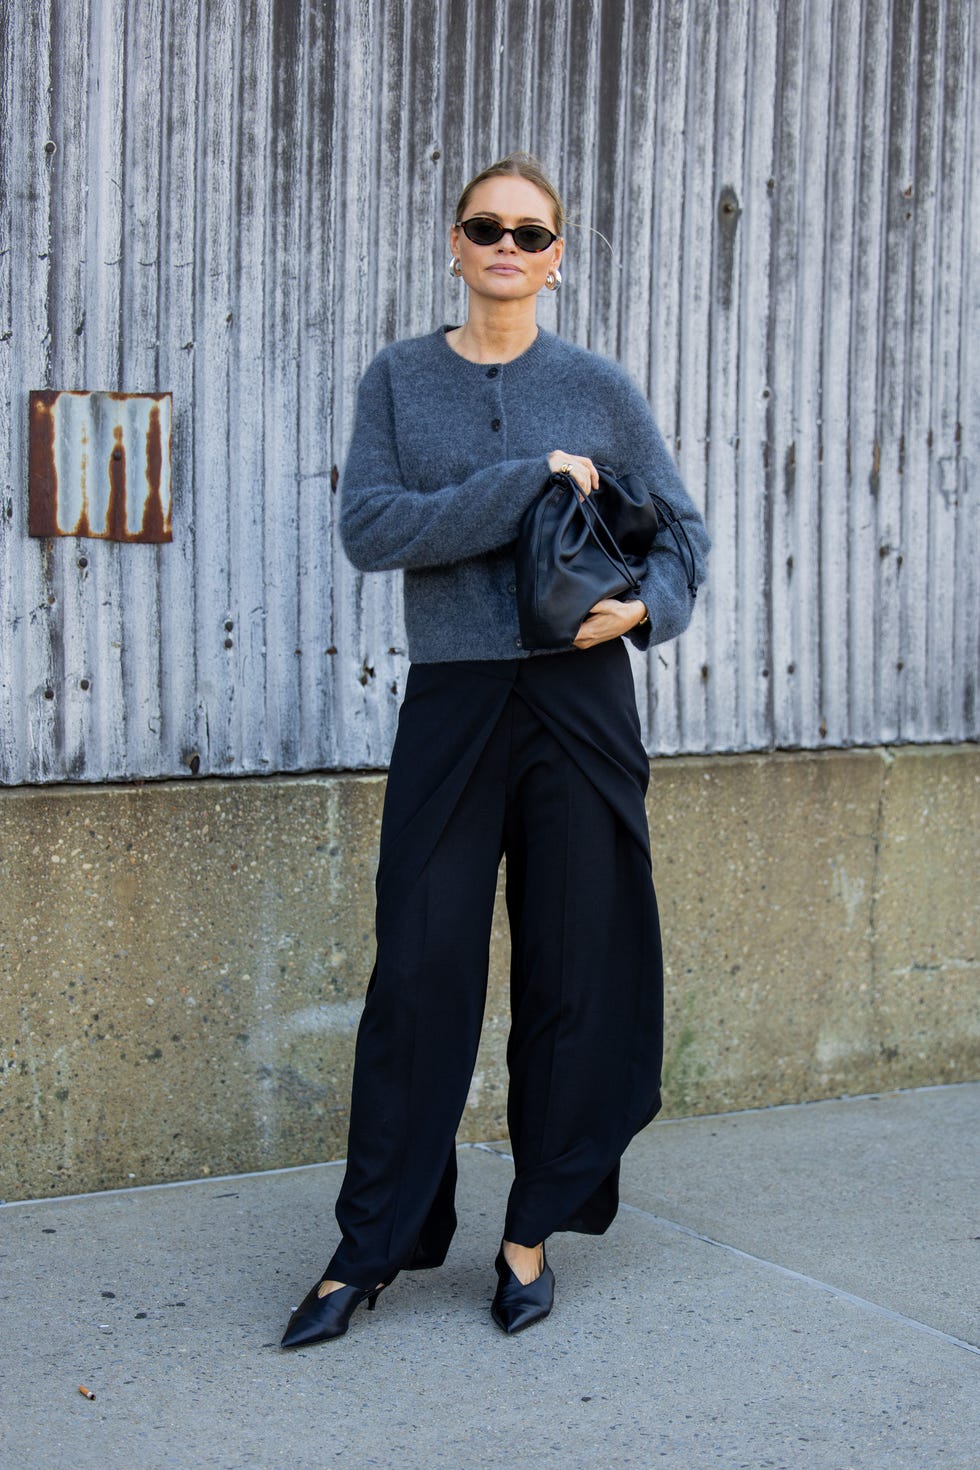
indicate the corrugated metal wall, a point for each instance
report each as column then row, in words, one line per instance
column 240, row 200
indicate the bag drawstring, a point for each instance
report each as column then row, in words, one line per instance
column 674, row 524
column 670, row 520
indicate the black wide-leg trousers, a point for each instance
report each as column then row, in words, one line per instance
column 538, row 760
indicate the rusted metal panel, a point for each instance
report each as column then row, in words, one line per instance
column 789, row 197
column 100, row 465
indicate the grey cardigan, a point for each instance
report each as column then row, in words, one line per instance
column 445, row 457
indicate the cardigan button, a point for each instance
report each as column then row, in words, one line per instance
column 492, row 372
column 518, row 643
column 512, row 589
column 495, row 425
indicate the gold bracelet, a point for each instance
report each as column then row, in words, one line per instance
column 645, row 618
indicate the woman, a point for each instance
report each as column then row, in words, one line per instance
column 499, row 752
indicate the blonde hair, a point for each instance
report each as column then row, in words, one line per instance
column 519, row 166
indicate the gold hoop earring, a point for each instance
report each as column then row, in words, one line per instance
column 553, row 279
column 455, row 267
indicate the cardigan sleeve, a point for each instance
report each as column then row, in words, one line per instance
column 664, row 588
column 385, row 524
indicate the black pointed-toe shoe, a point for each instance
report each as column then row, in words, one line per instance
column 319, row 1318
column 516, row 1306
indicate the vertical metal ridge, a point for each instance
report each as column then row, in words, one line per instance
column 317, row 734
column 920, row 488
column 137, row 351
column 282, row 328
column 966, row 590
column 864, row 349
column 961, row 419
column 836, row 368
column 938, row 638
column 726, row 497
column 892, row 403
column 693, row 245
column 183, row 718
column 753, row 285
column 30, row 243
column 12, row 737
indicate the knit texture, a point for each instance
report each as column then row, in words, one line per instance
column 446, row 456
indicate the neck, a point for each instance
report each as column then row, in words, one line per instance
column 496, row 331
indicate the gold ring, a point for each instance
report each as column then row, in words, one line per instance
column 565, row 469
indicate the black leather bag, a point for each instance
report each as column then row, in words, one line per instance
column 572, row 551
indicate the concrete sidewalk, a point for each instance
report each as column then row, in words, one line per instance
column 795, row 1287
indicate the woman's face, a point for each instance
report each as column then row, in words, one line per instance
column 504, row 272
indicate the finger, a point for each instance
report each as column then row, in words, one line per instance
column 592, row 630
column 576, row 468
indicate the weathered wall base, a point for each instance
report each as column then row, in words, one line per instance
column 183, row 964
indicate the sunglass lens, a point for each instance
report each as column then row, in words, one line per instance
column 482, row 231
column 533, row 238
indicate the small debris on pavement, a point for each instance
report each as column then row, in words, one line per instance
column 86, row 1393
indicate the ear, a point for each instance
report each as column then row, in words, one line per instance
column 559, row 248
column 454, row 235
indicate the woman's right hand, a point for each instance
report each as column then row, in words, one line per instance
column 582, row 470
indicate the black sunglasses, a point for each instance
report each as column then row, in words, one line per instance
column 483, row 231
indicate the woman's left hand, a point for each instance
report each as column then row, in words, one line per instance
column 609, row 619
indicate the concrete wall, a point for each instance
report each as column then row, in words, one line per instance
column 182, row 964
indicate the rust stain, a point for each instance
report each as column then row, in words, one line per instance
column 115, row 520
column 874, row 479
column 153, row 528
column 82, row 526
column 42, row 519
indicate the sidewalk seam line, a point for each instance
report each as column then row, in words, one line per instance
column 835, row 1291
column 813, row 1281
